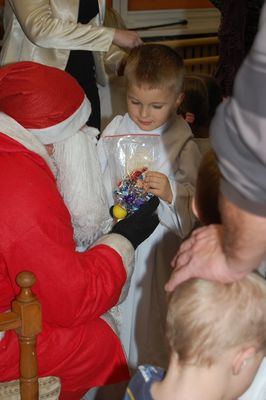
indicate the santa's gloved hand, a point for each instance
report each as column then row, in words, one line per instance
column 140, row 225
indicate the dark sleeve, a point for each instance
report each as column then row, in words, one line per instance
column 238, row 132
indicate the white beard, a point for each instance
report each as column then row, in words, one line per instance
column 80, row 182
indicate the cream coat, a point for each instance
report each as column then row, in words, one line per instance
column 46, row 30
column 177, row 156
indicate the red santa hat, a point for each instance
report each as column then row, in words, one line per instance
column 45, row 100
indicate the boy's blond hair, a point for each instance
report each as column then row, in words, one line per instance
column 206, row 318
column 155, row 65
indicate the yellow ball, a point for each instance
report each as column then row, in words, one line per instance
column 119, row 212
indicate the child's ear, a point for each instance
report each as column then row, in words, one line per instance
column 194, row 208
column 179, row 99
column 241, row 359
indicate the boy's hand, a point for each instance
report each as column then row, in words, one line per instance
column 159, row 185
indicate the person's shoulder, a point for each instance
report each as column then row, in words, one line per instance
column 182, row 125
column 115, row 125
column 203, row 144
column 179, row 129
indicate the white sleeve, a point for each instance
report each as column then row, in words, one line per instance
column 178, row 215
column 110, row 130
column 185, row 181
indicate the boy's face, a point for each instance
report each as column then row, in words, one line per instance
column 151, row 108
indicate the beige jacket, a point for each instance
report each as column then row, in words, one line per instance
column 46, row 30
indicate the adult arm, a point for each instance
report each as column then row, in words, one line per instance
column 44, row 29
column 238, row 137
column 244, row 240
column 73, row 287
column 238, row 132
column 222, row 252
column 37, row 235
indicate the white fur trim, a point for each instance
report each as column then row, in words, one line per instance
column 113, row 319
column 13, row 129
column 125, row 249
column 80, row 182
column 66, row 128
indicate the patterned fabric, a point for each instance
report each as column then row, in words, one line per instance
column 49, row 389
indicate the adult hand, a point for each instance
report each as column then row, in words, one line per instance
column 140, row 225
column 126, row 39
column 202, row 256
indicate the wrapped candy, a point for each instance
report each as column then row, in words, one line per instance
column 129, row 194
column 129, row 157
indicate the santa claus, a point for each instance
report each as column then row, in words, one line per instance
column 51, row 183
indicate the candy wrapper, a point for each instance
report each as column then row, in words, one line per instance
column 129, row 157
column 130, row 193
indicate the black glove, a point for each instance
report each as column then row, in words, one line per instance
column 140, row 225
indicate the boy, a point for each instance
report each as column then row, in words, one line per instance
column 216, row 333
column 162, row 141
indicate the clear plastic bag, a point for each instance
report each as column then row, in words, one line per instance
column 129, row 157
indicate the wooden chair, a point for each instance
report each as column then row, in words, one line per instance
column 25, row 319
column 200, row 55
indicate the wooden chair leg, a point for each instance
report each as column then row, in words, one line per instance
column 27, row 306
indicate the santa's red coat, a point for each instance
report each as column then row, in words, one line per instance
column 75, row 289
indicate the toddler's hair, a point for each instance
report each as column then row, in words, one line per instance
column 206, row 318
column 215, row 96
column 155, row 65
column 207, row 190
column 195, row 102
column 202, row 95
